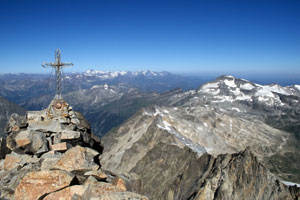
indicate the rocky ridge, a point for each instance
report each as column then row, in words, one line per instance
column 204, row 130
column 52, row 154
column 6, row 109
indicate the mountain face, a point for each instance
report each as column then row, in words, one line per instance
column 276, row 105
column 6, row 110
column 172, row 165
column 225, row 116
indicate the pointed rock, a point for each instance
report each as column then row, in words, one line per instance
column 36, row 184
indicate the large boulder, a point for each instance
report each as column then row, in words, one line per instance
column 78, row 159
column 36, row 184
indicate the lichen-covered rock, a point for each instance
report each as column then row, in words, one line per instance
column 36, row 184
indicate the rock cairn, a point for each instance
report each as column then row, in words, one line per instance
column 52, row 154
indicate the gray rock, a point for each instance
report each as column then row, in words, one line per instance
column 49, row 159
column 169, row 172
column 3, row 148
column 28, row 141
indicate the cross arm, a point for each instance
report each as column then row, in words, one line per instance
column 45, row 65
column 67, row 64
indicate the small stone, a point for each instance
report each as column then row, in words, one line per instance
column 67, row 193
column 49, row 159
column 36, row 184
column 14, row 160
column 120, row 183
column 38, row 142
column 11, row 161
column 90, row 180
column 97, row 174
column 22, row 139
column 60, row 146
column 78, row 158
column 75, row 121
column 100, row 188
column 119, row 196
column 15, row 128
column 69, row 135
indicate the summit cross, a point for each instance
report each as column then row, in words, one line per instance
column 57, row 65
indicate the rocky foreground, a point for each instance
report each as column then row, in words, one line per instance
column 52, row 154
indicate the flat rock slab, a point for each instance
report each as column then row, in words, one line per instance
column 59, row 147
column 120, row 196
column 36, row 184
column 78, row 159
column 69, row 135
column 99, row 188
column 67, row 193
column 11, row 161
column 97, row 174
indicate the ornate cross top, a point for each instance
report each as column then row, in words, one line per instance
column 58, row 65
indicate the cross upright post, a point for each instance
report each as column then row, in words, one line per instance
column 57, row 65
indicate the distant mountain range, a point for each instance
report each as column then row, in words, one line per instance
column 221, row 116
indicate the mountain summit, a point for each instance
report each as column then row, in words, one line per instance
column 52, row 154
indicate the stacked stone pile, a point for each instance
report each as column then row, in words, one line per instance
column 52, row 154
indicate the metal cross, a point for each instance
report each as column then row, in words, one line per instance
column 58, row 65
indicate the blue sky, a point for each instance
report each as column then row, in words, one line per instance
column 210, row 36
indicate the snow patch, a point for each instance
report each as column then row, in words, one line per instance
column 230, row 83
column 247, row 86
column 290, row 183
column 236, row 109
column 297, row 87
column 277, row 88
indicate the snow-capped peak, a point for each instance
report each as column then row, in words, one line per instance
column 114, row 74
column 230, row 89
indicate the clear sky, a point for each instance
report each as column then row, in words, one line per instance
column 243, row 36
